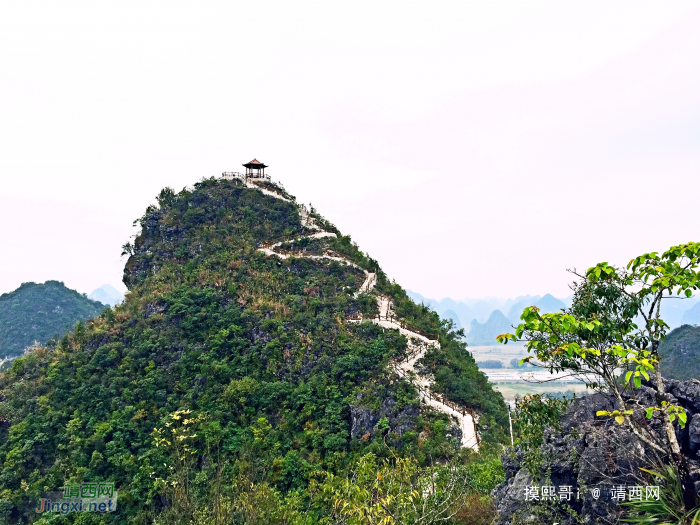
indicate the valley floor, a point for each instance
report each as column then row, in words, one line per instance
column 512, row 382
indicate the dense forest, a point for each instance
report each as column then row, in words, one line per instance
column 230, row 387
column 37, row 312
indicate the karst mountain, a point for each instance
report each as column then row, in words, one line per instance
column 287, row 347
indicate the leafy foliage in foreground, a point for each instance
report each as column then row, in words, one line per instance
column 370, row 491
column 37, row 312
column 669, row 508
column 599, row 336
column 256, row 349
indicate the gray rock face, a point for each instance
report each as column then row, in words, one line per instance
column 694, row 435
column 363, row 420
column 593, row 453
column 687, row 393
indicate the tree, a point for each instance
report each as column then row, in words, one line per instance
column 516, row 363
column 598, row 338
column 533, row 413
column 398, row 492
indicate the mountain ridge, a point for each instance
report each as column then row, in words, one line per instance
column 35, row 312
column 676, row 311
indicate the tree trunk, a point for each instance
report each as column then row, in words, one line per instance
column 687, row 485
column 679, row 460
column 670, row 432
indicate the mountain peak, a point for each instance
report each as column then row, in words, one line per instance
column 486, row 333
column 259, row 318
column 107, row 294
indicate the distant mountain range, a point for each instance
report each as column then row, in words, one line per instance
column 451, row 314
column 481, row 309
column 486, row 333
column 497, row 323
column 107, row 294
column 547, row 305
column 484, row 319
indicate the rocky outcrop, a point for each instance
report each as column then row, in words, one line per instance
column 593, row 455
column 364, row 420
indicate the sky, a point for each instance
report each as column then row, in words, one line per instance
column 473, row 148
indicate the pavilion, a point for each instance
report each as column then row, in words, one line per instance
column 255, row 169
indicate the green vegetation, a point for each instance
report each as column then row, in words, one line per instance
column 490, row 363
column 516, row 363
column 533, row 414
column 681, row 353
column 598, row 336
column 668, row 508
column 229, row 387
column 36, row 312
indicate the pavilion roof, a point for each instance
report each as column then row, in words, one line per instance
column 255, row 163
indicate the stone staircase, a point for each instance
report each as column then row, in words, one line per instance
column 418, row 343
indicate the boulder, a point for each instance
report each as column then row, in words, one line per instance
column 694, row 436
column 363, row 420
column 594, row 456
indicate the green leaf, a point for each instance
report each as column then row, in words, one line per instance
column 650, row 412
column 602, row 413
column 653, row 473
column 637, row 382
column 503, row 338
column 688, row 293
column 620, row 419
column 627, row 376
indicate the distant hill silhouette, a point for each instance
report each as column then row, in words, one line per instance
column 674, row 311
column 550, row 304
column 691, row 316
column 681, row 353
column 107, row 294
column 517, row 309
column 468, row 310
column 37, row 312
column 547, row 305
column 452, row 315
column 485, row 334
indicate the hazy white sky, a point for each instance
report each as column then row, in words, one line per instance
column 472, row 148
